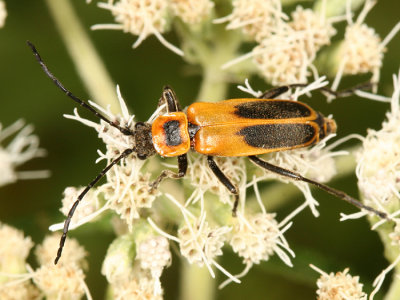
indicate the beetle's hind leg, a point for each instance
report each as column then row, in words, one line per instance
column 277, row 91
column 182, row 168
column 225, row 181
column 295, row 176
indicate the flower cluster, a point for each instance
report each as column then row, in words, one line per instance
column 144, row 18
column 198, row 216
column 362, row 50
column 339, row 286
column 19, row 281
column 286, row 48
column 3, row 13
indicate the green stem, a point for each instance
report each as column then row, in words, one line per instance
column 394, row 290
column 87, row 61
column 196, row 283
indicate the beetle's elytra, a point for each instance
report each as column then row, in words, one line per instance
column 236, row 127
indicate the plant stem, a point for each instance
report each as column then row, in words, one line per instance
column 87, row 61
column 196, row 283
column 394, row 290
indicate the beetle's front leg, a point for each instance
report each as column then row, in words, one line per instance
column 169, row 97
column 182, row 168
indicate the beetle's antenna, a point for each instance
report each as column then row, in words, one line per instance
column 340, row 194
column 123, row 130
column 80, row 197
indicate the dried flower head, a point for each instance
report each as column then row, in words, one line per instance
column 141, row 18
column 192, row 11
column 339, row 286
column 3, row 13
column 22, row 148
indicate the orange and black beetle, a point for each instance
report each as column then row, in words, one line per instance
column 236, row 127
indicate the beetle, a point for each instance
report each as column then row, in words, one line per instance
column 230, row 128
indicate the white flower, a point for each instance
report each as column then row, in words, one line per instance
column 154, row 255
column 86, row 208
column 257, row 237
column 141, row 18
column 3, row 13
column 285, row 54
column 22, row 148
column 192, row 11
column 64, row 282
column 73, row 253
column 200, row 243
column 362, row 49
column 257, row 18
column 14, row 249
column 339, row 286
column 378, row 163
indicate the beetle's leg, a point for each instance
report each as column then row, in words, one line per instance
column 82, row 103
column 275, row 92
column 295, row 176
column 225, row 181
column 350, row 91
column 80, row 197
column 182, row 168
column 169, row 97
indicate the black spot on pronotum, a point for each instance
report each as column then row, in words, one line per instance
column 172, row 133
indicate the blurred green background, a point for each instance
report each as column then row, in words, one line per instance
column 25, row 92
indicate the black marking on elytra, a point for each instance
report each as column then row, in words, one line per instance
column 192, row 129
column 272, row 109
column 172, row 133
column 270, row 136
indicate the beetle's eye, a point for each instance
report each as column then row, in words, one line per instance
column 141, row 156
column 138, row 125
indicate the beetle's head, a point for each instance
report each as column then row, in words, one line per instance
column 143, row 140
